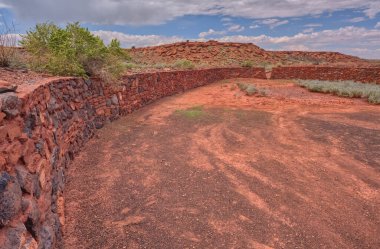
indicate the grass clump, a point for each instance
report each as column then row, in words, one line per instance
column 374, row 98
column 348, row 89
column 193, row 112
column 184, row 64
column 73, row 51
column 8, row 42
column 247, row 64
column 242, row 86
column 249, row 89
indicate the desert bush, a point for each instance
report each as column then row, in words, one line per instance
column 242, row 86
column 263, row 92
column 161, row 65
column 251, row 90
column 8, row 42
column 374, row 98
column 183, row 64
column 348, row 89
column 247, row 64
column 73, row 51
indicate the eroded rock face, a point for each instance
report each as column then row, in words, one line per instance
column 10, row 198
column 6, row 87
column 11, row 105
column 16, row 236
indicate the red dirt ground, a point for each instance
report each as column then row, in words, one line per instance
column 9, row 77
column 293, row 169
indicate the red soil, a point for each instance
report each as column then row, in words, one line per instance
column 9, row 77
column 293, row 169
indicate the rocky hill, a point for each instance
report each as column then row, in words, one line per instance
column 213, row 53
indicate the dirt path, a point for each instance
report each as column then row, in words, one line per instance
column 212, row 168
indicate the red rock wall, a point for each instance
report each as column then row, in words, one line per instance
column 44, row 126
column 365, row 75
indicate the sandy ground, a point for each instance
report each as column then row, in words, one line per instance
column 290, row 170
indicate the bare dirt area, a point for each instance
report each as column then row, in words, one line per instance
column 213, row 168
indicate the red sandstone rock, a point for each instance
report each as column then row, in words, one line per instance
column 31, row 161
column 13, row 132
column 10, row 196
column 14, row 152
column 2, row 116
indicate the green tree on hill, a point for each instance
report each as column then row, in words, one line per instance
column 73, row 51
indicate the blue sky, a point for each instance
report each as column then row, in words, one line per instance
column 348, row 26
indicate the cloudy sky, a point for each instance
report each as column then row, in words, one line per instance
column 348, row 26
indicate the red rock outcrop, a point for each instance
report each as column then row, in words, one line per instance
column 215, row 53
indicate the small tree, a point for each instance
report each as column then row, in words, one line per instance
column 8, row 42
column 73, row 51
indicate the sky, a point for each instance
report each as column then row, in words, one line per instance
column 347, row 26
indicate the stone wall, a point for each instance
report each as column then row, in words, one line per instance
column 365, row 75
column 44, row 126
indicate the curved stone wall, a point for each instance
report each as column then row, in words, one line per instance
column 365, row 75
column 44, row 126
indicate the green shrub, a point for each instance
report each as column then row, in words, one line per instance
column 349, row 89
column 184, row 64
column 263, row 92
column 73, row 51
column 242, row 86
column 247, row 64
column 251, row 90
column 374, row 98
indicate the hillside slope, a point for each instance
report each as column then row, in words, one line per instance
column 213, row 53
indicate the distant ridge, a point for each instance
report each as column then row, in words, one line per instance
column 213, row 53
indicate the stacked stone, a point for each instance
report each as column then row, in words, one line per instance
column 43, row 128
column 365, row 75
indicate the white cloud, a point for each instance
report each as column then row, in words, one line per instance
column 373, row 8
column 226, row 19
column 313, row 25
column 350, row 40
column 254, row 26
column 272, row 23
column 137, row 12
column 377, row 25
column 309, row 30
column 346, row 40
column 357, row 19
column 211, row 32
column 128, row 40
column 235, row 28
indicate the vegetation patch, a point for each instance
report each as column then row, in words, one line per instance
column 184, row 64
column 249, row 89
column 247, row 64
column 191, row 113
column 348, row 89
column 73, row 51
